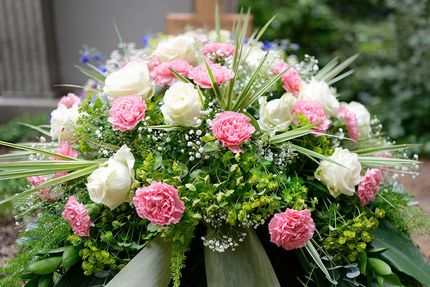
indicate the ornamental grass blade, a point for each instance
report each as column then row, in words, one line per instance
column 180, row 77
column 92, row 74
column 401, row 253
column 333, row 69
column 296, row 133
column 149, row 268
column 35, row 150
column 382, row 161
column 215, row 86
column 373, row 150
column 37, row 128
column 316, row 257
column 56, row 181
column 313, row 154
column 247, row 266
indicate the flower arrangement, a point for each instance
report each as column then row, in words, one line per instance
column 205, row 152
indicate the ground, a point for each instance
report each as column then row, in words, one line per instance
column 420, row 187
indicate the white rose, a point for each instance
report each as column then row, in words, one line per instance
column 133, row 78
column 63, row 122
column 339, row 179
column 225, row 36
column 254, row 56
column 110, row 184
column 177, row 48
column 363, row 118
column 320, row 91
column 181, row 105
column 276, row 114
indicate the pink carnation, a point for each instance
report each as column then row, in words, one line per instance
column 201, row 76
column 163, row 76
column 218, row 49
column 69, row 100
column 78, row 217
column 291, row 79
column 369, row 186
column 291, row 229
column 351, row 122
column 153, row 62
column 279, row 67
column 159, row 203
column 314, row 112
column 64, row 148
column 37, row 180
column 232, row 129
column 126, row 112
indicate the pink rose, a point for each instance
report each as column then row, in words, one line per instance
column 69, row 100
column 78, row 217
column 291, row 79
column 200, row 75
column 369, row 186
column 163, row 76
column 159, row 203
column 291, row 229
column 351, row 122
column 218, row 49
column 37, row 180
column 232, row 129
column 64, row 148
column 126, row 112
column 314, row 112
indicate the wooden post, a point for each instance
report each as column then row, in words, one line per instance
column 203, row 17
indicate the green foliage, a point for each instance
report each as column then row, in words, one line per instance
column 405, row 217
column 14, row 132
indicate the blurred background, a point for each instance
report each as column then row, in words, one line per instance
column 42, row 40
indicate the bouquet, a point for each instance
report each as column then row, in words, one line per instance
column 212, row 159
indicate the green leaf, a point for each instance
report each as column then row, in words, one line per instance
column 401, row 254
column 362, row 258
column 247, row 266
column 215, row 87
column 75, row 277
column 150, row 267
column 70, row 256
column 373, row 150
column 379, row 266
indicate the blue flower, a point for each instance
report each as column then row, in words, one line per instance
column 144, row 40
column 102, row 69
column 98, row 57
column 85, row 57
column 294, row 46
column 267, row 45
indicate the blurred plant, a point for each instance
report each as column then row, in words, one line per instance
column 393, row 40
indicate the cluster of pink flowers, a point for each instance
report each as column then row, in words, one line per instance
column 159, row 203
column 291, row 229
column 78, row 217
column 163, row 76
column 291, row 79
column 69, row 100
column 35, row 181
column 126, row 112
column 351, row 122
column 314, row 112
column 369, row 186
column 218, row 49
column 232, row 129
column 200, row 75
